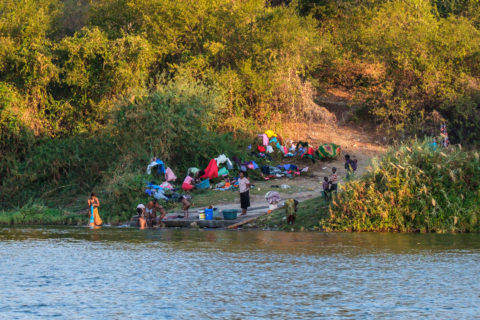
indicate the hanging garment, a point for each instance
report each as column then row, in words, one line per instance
column 223, row 159
column 211, row 172
column 169, row 175
column 269, row 149
column 157, row 163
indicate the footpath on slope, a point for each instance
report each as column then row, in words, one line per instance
column 359, row 142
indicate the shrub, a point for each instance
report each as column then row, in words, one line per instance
column 413, row 188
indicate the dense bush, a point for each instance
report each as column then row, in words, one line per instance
column 413, row 188
column 67, row 68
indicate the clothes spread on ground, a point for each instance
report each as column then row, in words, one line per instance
column 166, row 186
column 328, row 151
column 223, row 172
column 169, row 175
column 211, row 172
column 270, row 134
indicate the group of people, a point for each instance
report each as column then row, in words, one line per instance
column 150, row 215
column 330, row 183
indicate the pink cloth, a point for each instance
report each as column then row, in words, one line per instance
column 169, row 175
column 188, row 180
column 265, row 139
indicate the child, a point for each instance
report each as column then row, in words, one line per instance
column 350, row 166
column 326, row 189
column 186, row 205
column 291, row 210
column 333, row 180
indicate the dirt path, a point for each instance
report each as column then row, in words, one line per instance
column 360, row 143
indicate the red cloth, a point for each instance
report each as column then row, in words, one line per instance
column 211, row 171
column 187, row 186
column 311, row 151
column 261, row 149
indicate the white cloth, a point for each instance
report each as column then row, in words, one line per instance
column 242, row 184
column 141, row 206
column 273, row 197
column 269, row 149
column 222, row 159
column 150, row 166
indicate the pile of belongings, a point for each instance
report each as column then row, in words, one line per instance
column 273, row 198
column 165, row 191
column 284, row 170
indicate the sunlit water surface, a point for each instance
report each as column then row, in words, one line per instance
column 114, row 273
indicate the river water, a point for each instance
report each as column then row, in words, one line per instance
column 115, row 273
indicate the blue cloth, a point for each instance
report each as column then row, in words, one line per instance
column 273, row 140
column 255, row 165
column 160, row 167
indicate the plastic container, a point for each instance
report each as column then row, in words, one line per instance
column 230, row 214
column 205, row 184
column 208, row 214
column 201, row 216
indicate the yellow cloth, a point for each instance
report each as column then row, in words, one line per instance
column 270, row 134
column 96, row 217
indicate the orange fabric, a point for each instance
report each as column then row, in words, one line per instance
column 143, row 222
column 96, row 218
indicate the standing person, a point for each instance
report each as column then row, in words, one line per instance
column 326, row 189
column 244, row 186
column 333, row 180
column 291, row 210
column 350, row 166
column 151, row 214
column 186, row 205
column 93, row 204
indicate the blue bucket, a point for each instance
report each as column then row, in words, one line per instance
column 208, row 214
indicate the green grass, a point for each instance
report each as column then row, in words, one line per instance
column 34, row 214
column 310, row 216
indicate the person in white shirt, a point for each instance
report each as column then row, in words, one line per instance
column 244, row 186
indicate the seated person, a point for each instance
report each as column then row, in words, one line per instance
column 188, row 183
